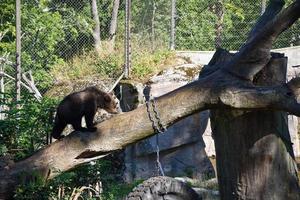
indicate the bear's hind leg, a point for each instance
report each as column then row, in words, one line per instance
column 89, row 118
column 77, row 125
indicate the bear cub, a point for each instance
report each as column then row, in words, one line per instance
column 78, row 104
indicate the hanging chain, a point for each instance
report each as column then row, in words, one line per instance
column 159, row 165
column 157, row 124
column 158, row 127
column 161, row 127
column 150, row 116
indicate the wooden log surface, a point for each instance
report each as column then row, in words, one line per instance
column 254, row 152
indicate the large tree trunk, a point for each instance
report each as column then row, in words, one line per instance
column 253, row 149
column 227, row 84
column 113, row 24
column 96, row 29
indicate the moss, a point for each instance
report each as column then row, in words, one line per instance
column 190, row 72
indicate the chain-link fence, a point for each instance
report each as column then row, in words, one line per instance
column 203, row 25
column 67, row 40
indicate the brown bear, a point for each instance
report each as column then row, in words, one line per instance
column 78, row 104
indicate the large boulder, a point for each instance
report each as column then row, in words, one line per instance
column 181, row 147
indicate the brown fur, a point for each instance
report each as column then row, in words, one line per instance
column 78, row 104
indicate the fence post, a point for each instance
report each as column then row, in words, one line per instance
column 173, row 19
column 127, row 65
column 152, row 26
column 219, row 23
column 18, row 51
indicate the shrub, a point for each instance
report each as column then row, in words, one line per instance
column 24, row 128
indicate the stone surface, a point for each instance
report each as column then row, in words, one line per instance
column 293, row 129
column 208, row 194
column 208, row 137
column 181, row 147
column 293, row 54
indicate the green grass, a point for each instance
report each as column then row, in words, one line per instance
column 110, row 65
column 145, row 64
column 87, row 65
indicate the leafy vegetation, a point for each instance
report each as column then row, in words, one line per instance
column 144, row 64
column 25, row 124
column 70, row 182
column 59, row 33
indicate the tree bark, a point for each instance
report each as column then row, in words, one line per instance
column 96, row 29
column 227, row 84
column 253, row 149
column 113, row 24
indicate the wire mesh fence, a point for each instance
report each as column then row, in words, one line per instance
column 68, row 39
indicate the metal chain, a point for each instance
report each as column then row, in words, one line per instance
column 150, row 116
column 158, row 127
column 161, row 127
column 159, row 165
column 157, row 124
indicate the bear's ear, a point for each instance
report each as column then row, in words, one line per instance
column 107, row 98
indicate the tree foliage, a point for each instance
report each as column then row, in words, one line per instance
column 24, row 128
column 55, row 31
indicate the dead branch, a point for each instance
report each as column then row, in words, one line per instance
column 30, row 88
column 30, row 82
column 3, row 34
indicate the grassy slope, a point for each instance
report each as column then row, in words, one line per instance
column 94, row 69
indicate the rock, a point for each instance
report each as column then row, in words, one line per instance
column 206, row 194
column 130, row 95
column 207, row 190
column 293, row 129
column 180, row 74
column 181, row 147
column 208, row 137
column 293, row 54
column 61, row 89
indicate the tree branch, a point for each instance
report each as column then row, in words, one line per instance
column 279, row 98
column 214, row 91
column 30, row 82
column 270, row 13
column 255, row 54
